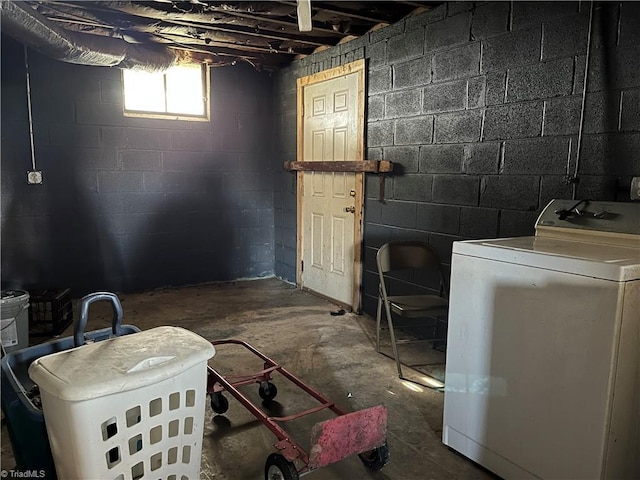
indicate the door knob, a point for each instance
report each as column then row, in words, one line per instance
column 350, row 209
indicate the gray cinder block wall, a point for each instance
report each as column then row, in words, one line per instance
column 478, row 104
column 130, row 204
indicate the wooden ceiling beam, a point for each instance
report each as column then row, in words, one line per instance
column 237, row 47
column 223, row 52
column 343, row 13
column 188, row 42
column 426, row 5
column 227, row 58
column 84, row 22
column 224, row 16
column 261, row 19
column 153, row 15
column 237, row 29
column 292, row 44
column 227, row 37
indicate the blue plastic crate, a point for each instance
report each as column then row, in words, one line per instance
column 19, row 394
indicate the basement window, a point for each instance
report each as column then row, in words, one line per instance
column 180, row 93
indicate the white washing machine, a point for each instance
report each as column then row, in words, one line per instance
column 543, row 352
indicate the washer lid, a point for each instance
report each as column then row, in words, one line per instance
column 120, row 364
column 609, row 262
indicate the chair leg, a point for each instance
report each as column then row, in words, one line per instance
column 393, row 339
column 441, row 343
column 378, row 315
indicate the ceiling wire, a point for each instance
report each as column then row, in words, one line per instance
column 26, row 66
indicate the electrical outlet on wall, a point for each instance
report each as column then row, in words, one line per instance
column 34, row 177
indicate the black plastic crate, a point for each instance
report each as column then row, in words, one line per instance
column 50, row 312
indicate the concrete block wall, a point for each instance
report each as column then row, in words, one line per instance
column 478, row 104
column 128, row 203
column 285, row 186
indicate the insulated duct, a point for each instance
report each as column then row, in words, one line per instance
column 34, row 30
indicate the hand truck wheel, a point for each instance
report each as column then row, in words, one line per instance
column 377, row 458
column 219, row 404
column 267, row 391
column 279, row 468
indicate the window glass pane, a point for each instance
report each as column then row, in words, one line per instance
column 185, row 90
column 143, row 91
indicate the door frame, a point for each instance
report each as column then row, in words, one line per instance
column 357, row 67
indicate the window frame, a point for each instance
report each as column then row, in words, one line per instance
column 206, row 117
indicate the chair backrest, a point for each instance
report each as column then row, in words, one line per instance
column 401, row 255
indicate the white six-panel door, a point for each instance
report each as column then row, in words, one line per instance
column 330, row 203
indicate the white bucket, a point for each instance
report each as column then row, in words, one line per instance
column 14, row 320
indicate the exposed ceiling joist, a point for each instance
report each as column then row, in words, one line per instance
column 262, row 32
column 322, row 8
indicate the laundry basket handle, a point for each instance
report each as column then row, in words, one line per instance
column 79, row 327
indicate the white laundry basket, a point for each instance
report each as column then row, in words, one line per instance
column 127, row 408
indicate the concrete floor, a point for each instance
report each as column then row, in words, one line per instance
column 334, row 354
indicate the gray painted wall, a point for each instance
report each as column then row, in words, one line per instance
column 130, row 204
column 478, row 104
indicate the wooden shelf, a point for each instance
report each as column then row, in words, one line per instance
column 366, row 166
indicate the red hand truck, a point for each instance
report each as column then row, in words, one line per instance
column 362, row 432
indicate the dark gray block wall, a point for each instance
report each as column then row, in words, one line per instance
column 130, row 204
column 479, row 104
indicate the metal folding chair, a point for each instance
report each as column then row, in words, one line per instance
column 415, row 263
